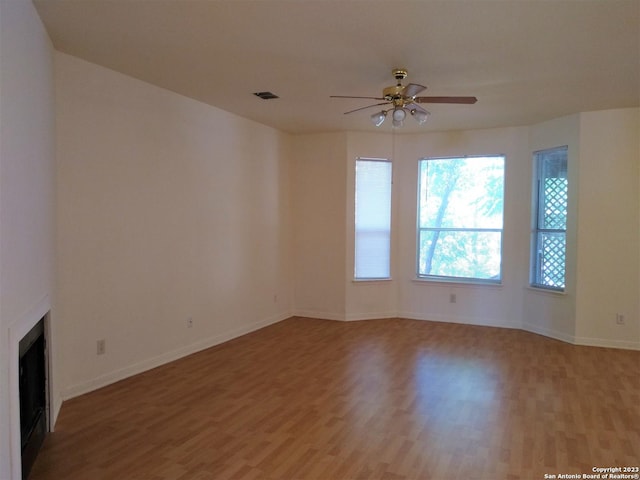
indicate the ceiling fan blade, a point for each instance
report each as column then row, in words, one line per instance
column 347, row 96
column 461, row 100
column 413, row 89
column 368, row 106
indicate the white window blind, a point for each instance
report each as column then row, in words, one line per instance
column 372, row 219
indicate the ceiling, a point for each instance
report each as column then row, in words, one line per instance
column 525, row 60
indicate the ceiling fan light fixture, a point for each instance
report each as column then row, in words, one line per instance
column 378, row 118
column 421, row 116
column 399, row 114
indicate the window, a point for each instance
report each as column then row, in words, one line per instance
column 372, row 219
column 549, row 219
column 460, row 209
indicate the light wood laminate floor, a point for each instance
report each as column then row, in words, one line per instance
column 378, row 399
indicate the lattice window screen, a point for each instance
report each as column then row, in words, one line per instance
column 553, row 259
column 555, row 203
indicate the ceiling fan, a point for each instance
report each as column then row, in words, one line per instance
column 404, row 100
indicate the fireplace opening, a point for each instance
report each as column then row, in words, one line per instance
column 33, row 395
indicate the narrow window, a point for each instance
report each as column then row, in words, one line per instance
column 372, row 219
column 549, row 219
column 460, row 209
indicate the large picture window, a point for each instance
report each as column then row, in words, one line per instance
column 460, row 210
column 372, row 219
column 550, row 219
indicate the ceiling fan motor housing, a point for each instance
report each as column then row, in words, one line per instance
column 393, row 94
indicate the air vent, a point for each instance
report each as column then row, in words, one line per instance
column 266, row 95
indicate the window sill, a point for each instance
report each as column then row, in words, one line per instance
column 462, row 283
column 364, row 281
column 546, row 291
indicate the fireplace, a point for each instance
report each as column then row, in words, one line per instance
column 33, row 394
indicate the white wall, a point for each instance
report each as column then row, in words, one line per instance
column 369, row 299
column 27, row 199
column 324, row 229
column 319, row 198
column 168, row 209
column 475, row 304
column 608, row 228
column 603, row 231
column 603, row 197
column 546, row 312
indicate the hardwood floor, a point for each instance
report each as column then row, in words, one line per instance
column 378, row 399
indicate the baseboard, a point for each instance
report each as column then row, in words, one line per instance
column 547, row 332
column 584, row 341
column 483, row 322
column 345, row 317
column 352, row 317
column 320, row 315
column 607, row 343
column 143, row 366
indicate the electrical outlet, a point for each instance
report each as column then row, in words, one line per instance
column 452, row 298
column 189, row 322
column 100, row 347
column 620, row 318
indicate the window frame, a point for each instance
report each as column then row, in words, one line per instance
column 535, row 265
column 356, row 278
column 459, row 279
